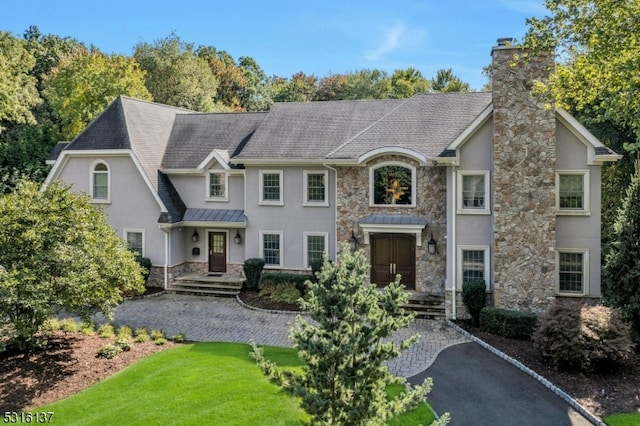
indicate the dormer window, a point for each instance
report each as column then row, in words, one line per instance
column 217, row 186
column 392, row 184
column 100, row 182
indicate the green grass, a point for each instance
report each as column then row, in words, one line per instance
column 624, row 419
column 195, row 384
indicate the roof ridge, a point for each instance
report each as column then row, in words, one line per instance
column 367, row 128
column 158, row 104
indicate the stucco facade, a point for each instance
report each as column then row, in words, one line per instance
column 440, row 188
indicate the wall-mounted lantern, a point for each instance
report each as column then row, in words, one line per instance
column 431, row 245
column 353, row 241
column 195, row 237
column 237, row 239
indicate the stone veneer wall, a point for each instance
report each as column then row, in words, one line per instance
column 156, row 277
column 523, row 183
column 352, row 201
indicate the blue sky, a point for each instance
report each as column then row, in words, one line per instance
column 284, row 37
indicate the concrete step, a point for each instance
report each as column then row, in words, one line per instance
column 225, row 288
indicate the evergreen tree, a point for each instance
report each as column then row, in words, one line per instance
column 621, row 273
column 344, row 376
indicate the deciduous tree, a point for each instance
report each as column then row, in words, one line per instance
column 446, row 81
column 83, row 84
column 18, row 94
column 57, row 251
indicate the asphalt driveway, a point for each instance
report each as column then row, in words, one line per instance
column 478, row 388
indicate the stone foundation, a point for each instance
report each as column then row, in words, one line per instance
column 156, row 276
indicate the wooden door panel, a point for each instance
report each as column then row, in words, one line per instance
column 393, row 254
column 217, row 252
column 405, row 259
column 381, row 251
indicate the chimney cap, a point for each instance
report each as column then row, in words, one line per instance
column 505, row 41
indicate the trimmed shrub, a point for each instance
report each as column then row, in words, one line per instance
column 280, row 278
column 125, row 332
column 106, row 331
column 252, row 271
column 179, row 338
column 286, row 292
column 157, row 334
column 69, row 325
column 508, row 323
column 474, row 298
column 575, row 336
column 109, row 351
column 316, row 266
column 124, row 344
column 88, row 329
column 160, row 341
column 145, row 262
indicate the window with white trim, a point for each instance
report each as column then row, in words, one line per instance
column 271, row 187
column 392, row 184
column 135, row 240
column 100, row 177
column 473, row 192
column 315, row 246
column 271, row 248
column 572, row 192
column 315, row 188
column 217, row 186
column 473, row 264
column 572, row 271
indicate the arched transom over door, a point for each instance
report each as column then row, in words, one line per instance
column 393, row 254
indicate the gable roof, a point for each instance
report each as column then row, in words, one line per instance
column 195, row 136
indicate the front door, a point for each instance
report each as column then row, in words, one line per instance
column 217, row 252
column 393, row 254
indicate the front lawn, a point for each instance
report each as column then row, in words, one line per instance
column 202, row 383
column 625, row 419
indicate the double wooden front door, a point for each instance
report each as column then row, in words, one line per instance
column 393, row 254
column 217, row 252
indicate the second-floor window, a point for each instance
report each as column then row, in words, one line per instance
column 572, row 192
column 473, row 192
column 392, row 184
column 100, row 182
column 217, row 186
column 271, row 187
column 315, row 188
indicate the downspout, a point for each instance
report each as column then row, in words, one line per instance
column 166, row 255
column 454, row 250
column 335, row 207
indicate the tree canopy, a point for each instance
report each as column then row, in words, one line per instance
column 83, row 84
column 18, row 94
column 57, row 251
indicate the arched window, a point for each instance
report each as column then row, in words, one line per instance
column 100, row 182
column 392, row 184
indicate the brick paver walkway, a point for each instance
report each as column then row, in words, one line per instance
column 212, row 319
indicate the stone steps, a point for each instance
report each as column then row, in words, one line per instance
column 221, row 286
column 427, row 306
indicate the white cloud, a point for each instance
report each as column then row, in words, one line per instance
column 392, row 38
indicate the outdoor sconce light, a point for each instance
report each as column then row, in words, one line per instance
column 353, row 241
column 195, row 237
column 431, row 245
column 237, row 239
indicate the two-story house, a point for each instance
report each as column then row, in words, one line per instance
column 439, row 188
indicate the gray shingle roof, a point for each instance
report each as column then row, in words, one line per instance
column 194, row 136
column 171, row 200
column 144, row 127
column 425, row 123
column 56, row 151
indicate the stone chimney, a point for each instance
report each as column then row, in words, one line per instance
column 524, row 155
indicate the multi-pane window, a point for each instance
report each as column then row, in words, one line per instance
column 571, row 273
column 473, row 192
column 271, row 249
column 316, row 187
column 271, row 187
column 393, row 184
column 571, row 193
column 100, row 182
column 135, row 241
column 315, row 248
column 473, row 265
column 217, row 185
